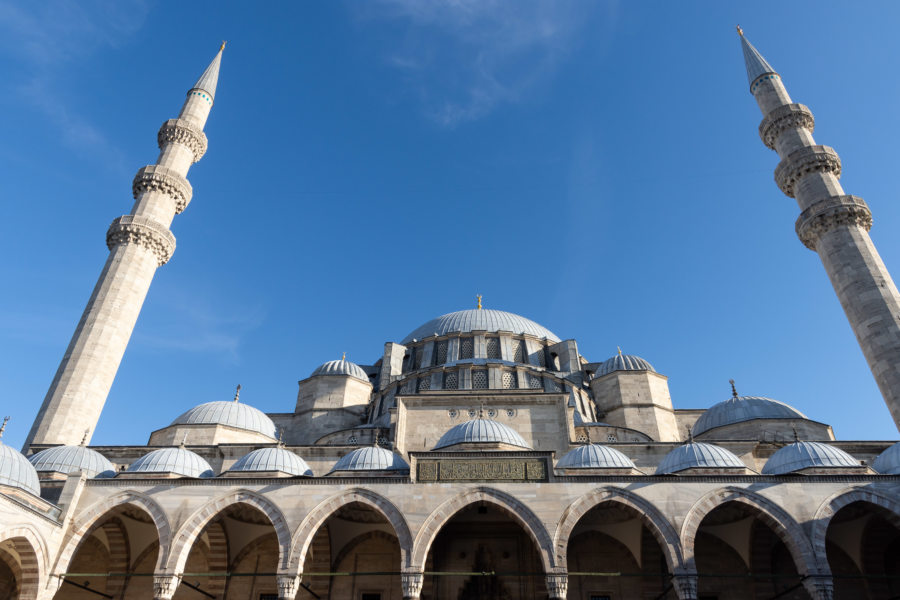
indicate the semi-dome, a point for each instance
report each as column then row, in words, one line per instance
column 594, row 456
column 370, row 458
column 179, row 461
column 480, row 319
column 341, row 367
column 698, row 455
column 744, row 408
column 16, row 471
column 65, row 459
column 233, row 414
column 804, row 455
column 888, row 462
column 624, row 362
column 481, row 430
column 272, row 459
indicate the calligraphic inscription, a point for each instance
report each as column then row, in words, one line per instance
column 464, row 469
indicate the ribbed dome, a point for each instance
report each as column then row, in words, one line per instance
column 803, row 455
column 698, row 455
column 594, row 456
column 744, row 408
column 888, row 462
column 481, row 430
column 180, row 461
column 624, row 362
column 370, row 458
column 16, row 471
column 479, row 319
column 233, row 414
column 341, row 367
column 272, row 459
column 65, row 459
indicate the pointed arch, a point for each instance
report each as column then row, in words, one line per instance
column 303, row 537
column 663, row 530
column 516, row 509
column 32, row 557
column 193, row 527
column 839, row 500
column 84, row 524
column 782, row 524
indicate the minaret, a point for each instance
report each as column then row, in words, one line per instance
column 139, row 243
column 832, row 223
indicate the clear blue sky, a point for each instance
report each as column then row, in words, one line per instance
column 595, row 167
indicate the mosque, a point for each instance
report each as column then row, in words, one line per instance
column 481, row 456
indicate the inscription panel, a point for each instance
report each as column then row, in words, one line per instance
column 467, row 469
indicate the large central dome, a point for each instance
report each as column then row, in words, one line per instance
column 480, row 319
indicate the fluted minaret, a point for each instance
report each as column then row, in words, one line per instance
column 832, row 223
column 139, row 243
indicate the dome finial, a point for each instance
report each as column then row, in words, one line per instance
column 343, row 356
column 738, row 27
column 479, row 301
column 690, row 437
column 237, row 393
column 281, row 437
column 222, row 47
column 734, row 393
column 377, row 435
column 183, row 440
column 794, row 429
column 3, row 427
column 481, row 410
column 619, row 348
column 84, row 438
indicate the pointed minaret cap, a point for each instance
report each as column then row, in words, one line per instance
column 210, row 77
column 756, row 65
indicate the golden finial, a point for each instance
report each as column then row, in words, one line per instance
column 740, row 31
column 237, row 393
column 734, row 393
column 84, row 439
column 3, row 427
column 183, row 440
column 344, row 356
column 479, row 301
column 620, row 350
column 222, row 47
column 377, row 435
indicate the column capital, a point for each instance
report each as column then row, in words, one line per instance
column 411, row 582
column 685, row 585
column 820, row 587
column 827, row 214
column 164, row 586
column 557, row 585
column 802, row 162
column 287, row 586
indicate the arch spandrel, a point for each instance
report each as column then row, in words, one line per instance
column 303, row 537
column 518, row 511
column 661, row 528
column 782, row 524
column 193, row 527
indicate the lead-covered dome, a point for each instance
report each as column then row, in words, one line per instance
column 370, row 458
column 480, row 319
column 624, row 362
column 65, row 459
column 804, row 455
column 178, row 461
column 231, row 413
column 272, row 459
column 744, row 408
column 888, row 462
column 341, row 367
column 594, row 456
column 698, row 455
column 16, row 471
column 481, row 431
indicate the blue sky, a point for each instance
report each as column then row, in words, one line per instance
column 595, row 167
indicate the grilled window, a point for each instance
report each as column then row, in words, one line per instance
column 451, row 380
column 509, row 380
column 493, row 347
column 479, row 379
column 466, row 347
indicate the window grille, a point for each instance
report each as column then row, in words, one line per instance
column 493, row 347
column 424, row 383
column 581, row 439
column 509, row 380
column 542, row 360
column 534, row 383
column 518, row 351
column 611, row 437
column 451, row 380
column 417, row 363
column 440, row 352
column 353, row 440
column 466, row 347
column 479, row 379
column 555, row 386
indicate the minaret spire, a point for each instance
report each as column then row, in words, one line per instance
column 833, row 224
column 139, row 243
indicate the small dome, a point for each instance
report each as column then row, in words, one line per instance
column 481, row 430
column 888, row 462
column 479, row 319
column 233, row 414
column 16, row 471
column 272, row 459
column 370, row 458
column 624, row 362
column 698, row 455
column 341, row 367
column 803, row 455
column 65, row 459
column 594, row 456
column 744, row 408
column 180, row 461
